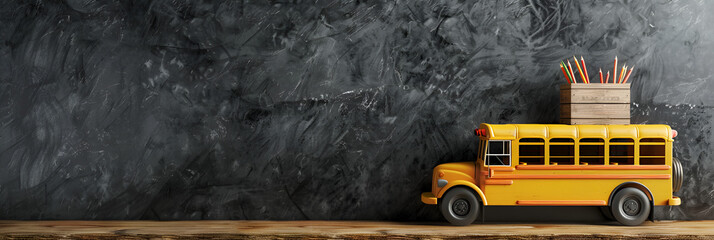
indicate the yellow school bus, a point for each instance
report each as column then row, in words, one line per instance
column 624, row 169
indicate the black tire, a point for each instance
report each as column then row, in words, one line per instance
column 630, row 206
column 677, row 175
column 607, row 213
column 460, row 206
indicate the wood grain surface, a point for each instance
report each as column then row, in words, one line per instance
column 573, row 121
column 595, row 110
column 595, row 96
column 344, row 230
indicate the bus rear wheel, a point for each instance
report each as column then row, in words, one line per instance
column 630, row 206
column 460, row 206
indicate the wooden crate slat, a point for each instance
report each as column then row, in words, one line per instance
column 595, row 96
column 595, row 86
column 594, row 121
column 595, row 110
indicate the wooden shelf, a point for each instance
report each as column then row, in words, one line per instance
column 345, row 230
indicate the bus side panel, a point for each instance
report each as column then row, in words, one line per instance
column 572, row 189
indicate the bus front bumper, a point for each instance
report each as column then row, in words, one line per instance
column 674, row 201
column 428, row 198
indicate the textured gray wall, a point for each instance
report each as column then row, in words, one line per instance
column 327, row 110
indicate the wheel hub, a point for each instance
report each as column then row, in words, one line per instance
column 631, row 207
column 460, row 207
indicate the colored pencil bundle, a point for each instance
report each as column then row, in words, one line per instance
column 569, row 74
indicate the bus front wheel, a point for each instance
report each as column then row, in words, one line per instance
column 460, row 206
column 630, row 206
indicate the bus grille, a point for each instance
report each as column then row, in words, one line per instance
column 677, row 175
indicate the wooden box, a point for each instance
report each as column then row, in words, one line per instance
column 595, row 103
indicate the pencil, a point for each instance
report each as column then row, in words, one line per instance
column 601, row 75
column 607, row 78
column 614, row 72
column 564, row 73
column 562, row 69
column 628, row 74
column 585, row 69
column 623, row 70
column 580, row 70
column 572, row 75
column 622, row 73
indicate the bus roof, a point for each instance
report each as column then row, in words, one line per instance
column 516, row 131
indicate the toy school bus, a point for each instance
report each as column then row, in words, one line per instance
column 624, row 169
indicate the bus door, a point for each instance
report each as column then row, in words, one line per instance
column 497, row 161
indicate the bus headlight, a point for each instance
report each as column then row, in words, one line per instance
column 441, row 182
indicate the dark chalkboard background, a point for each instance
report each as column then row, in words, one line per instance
column 313, row 110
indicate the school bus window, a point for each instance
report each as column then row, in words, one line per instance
column 499, row 153
column 531, row 151
column 562, row 151
column 592, row 151
column 531, row 140
column 562, row 140
column 652, row 151
column 622, row 151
